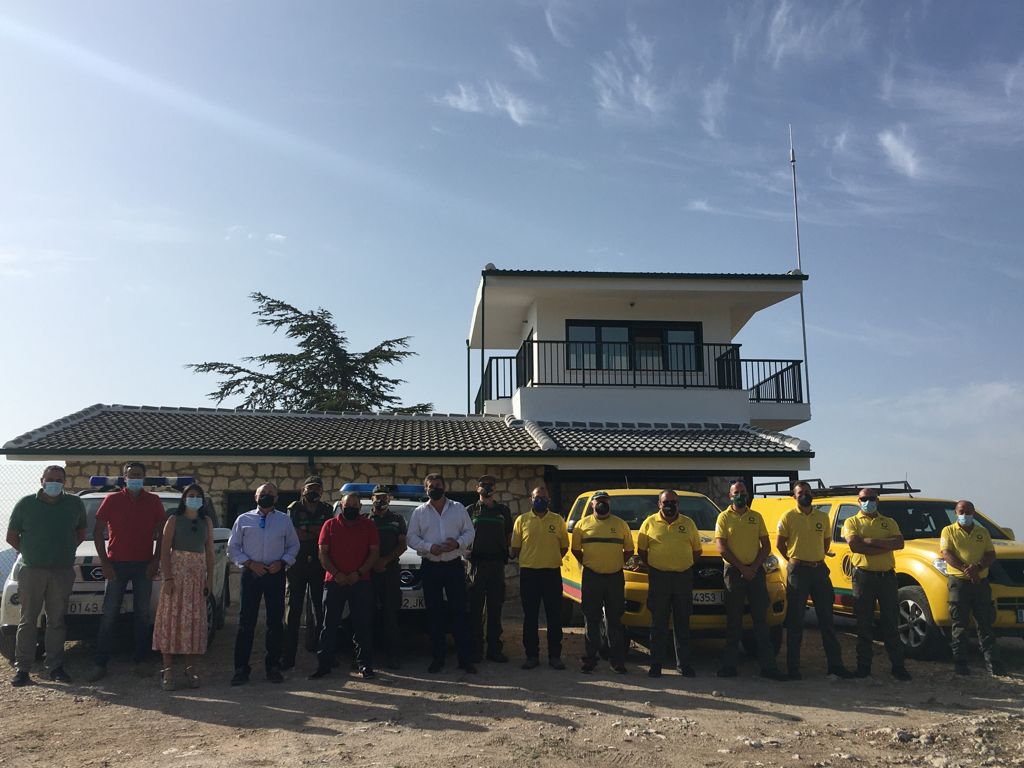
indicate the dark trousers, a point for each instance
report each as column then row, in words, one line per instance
column 802, row 582
column 738, row 593
column 359, row 598
column 486, row 595
column 133, row 573
column 670, row 592
column 268, row 589
column 387, row 593
column 603, row 595
column 967, row 599
column 539, row 586
column 870, row 587
column 443, row 580
column 306, row 577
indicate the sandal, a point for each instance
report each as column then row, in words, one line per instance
column 167, row 679
column 192, row 677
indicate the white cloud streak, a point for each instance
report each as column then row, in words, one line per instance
column 625, row 81
column 464, row 98
column 712, row 106
column 557, row 20
column 518, row 109
column 809, row 33
column 900, row 152
column 525, row 60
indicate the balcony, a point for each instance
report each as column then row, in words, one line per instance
column 626, row 365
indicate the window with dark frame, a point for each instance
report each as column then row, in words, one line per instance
column 642, row 346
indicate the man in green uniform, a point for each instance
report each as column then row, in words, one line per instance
column 873, row 538
column 968, row 551
column 493, row 524
column 46, row 529
column 386, row 575
column 306, row 576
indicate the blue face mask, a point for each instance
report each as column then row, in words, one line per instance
column 870, row 507
column 540, row 505
column 194, row 502
column 53, row 488
column 134, row 483
column 965, row 520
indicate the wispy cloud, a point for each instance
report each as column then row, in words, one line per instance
column 944, row 408
column 625, row 80
column 518, row 109
column 238, row 232
column 276, row 237
column 815, row 31
column 712, row 106
column 900, row 152
column 559, row 23
column 498, row 99
column 525, row 60
column 738, row 211
column 699, row 206
column 464, row 98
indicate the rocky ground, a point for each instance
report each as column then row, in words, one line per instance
column 509, row 717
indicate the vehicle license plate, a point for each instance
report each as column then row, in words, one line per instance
column 412, row 600
column 85, row 607
column 1020, row 615
column 708, row 597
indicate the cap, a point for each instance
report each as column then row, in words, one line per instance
column 381, row 490
column 601, row 495
column 487, row 480
column 313, row 480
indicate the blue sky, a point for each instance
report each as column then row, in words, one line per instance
column 162, row 162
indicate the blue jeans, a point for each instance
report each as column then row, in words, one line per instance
column 142, row 590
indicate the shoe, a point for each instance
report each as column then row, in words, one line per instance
column 468, row 668
column 274, row 675
column 435, row 666
column 97, row 674
column 774, row 674
column 20, row 679
column 961, row 668
column 862, row 671
column 58, row 675
column 367, row 673
column 476, row 658
column 686, row 670
column 901, row 674
column 620, row 668
column 654, row 671
column 794, row 674
column 192, row 677
column 320, row 672
column 498, row 657
column 167, row 679
column 588, row 666
column 532, row 662
column 726, row 672
column 287, row 664
column 996, row 669
column 241, row 677
column 556, row 663
column 841, row 672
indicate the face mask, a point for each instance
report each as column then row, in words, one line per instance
column 669, row 509
column 486, row 490
column 602, row 508
column 739, row 500
column 804, row 499
column 135, row 483
column 435, row 493
column 312, row 497
column 193, row 502
column 869, row 507
column 380, row 504
column 965, row 520
column 53, row 488
column 540, row 505
column 350, row 513
column 266, row 501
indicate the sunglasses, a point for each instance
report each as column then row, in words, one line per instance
column 868, row 498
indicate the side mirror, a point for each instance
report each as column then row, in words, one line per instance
column 1009, row 533
column 570, row 525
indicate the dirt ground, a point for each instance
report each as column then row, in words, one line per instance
column 505, row 716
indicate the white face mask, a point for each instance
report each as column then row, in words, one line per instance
column 53, row 488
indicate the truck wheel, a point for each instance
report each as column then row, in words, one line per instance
column 921, row 638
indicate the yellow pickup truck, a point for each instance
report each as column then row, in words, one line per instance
column 634, row 505
column 920, row 570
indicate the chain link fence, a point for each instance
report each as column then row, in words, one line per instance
column 17, row 479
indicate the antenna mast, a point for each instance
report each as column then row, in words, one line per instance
column 799, row 265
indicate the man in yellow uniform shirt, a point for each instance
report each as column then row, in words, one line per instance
column 742, row 539
column 873, row 538
column 602, row 543
column 540, row 541
column 967, row 549
column 804, row 538
column 669, row 544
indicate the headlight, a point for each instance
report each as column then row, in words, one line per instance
column 940, row 565
column 771, row 563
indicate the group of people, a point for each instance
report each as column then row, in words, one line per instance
column 347, row 560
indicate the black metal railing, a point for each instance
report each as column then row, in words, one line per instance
column 615, row 364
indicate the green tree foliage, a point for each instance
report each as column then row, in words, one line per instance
column 321, row 375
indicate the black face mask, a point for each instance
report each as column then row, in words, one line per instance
column 486, row 491
column 266, row 500
column 312, row 497
column 804, row 499
column 380, row 504
column 435, row 493
column 669, row 509
column 602, row 508
column 350, row 513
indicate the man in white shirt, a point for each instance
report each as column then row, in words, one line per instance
column 441, row 531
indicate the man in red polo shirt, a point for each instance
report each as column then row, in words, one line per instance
column 349, row 545
column 135, row 519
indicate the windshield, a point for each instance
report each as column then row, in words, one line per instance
column 637, row 508
column 926, row 519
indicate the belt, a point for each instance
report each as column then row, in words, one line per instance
column 806, row 563
column 865, row 570
column 428, row 561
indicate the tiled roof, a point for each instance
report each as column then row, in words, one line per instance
column 144, row 430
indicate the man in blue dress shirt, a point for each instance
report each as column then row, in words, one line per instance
column 263, row 543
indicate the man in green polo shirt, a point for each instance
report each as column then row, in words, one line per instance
column 46, row 529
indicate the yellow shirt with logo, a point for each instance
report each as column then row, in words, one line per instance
column 540, row 540
column 670, row 546
column 878, row 527
column 742, row 531
column 805, row 534
column 970, row 546
column 603, row 542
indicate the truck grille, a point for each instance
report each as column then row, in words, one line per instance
column 707, row 573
